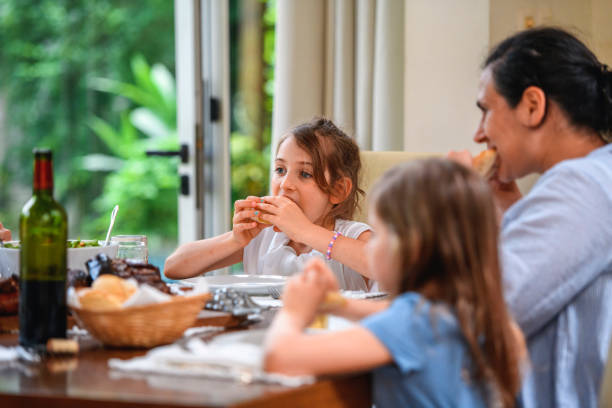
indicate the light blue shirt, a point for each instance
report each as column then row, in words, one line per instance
column 431, row 361
column 556, row 249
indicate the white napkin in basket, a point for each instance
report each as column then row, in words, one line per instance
column 227, row 357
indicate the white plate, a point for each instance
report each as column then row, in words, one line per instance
column 251, row 284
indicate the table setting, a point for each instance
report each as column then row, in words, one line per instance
column 146, row 338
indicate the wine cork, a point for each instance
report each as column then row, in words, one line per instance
column 62, row 346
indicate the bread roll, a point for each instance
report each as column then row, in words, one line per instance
column 485, row 163
column 98, row 300
column 113, row 285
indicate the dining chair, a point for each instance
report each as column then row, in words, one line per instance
column 374, row 164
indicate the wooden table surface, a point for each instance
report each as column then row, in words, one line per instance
column 86, row 381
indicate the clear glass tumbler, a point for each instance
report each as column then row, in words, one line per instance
column 132, row 248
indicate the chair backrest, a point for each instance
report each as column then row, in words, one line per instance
column 605, row 391
column 374, row 164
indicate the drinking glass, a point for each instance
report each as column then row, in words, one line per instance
column 132, row 248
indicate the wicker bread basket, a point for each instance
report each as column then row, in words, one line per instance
column 143, row 326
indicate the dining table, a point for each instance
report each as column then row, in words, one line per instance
column 87, row 381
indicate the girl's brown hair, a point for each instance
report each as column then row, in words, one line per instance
column 333, row 151
column 443, row 217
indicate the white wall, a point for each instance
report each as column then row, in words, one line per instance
column 446, row 41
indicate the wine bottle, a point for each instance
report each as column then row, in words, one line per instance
column 43, row 230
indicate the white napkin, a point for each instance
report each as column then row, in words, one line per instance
column 237, row 359
column 8, row 354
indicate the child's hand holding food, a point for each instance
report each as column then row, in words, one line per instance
column 302, row 296
column 245, row 228
column 285, row 215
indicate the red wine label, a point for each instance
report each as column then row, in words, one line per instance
column 43, row 174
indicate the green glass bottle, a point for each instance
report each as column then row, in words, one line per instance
column 43, row 231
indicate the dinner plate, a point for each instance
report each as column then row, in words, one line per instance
column 251, row 284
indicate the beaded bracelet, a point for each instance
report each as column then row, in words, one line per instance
column 331, row 245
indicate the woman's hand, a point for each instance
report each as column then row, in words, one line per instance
column 302, row 296
column 5, row 234
column 244, row 229
column 462, row 157
column 286, row 216
column 505, row 194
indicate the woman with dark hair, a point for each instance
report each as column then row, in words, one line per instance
column 546, row 105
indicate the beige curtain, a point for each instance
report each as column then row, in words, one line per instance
column 343, row 59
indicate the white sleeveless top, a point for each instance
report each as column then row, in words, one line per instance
column 269, row 254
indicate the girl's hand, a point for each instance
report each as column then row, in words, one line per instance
column 302, row 296
column 244, row 229
column 285, row 215
column 319, row 268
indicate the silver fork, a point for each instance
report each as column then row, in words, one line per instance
column 274, row 292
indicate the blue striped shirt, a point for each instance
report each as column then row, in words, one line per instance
column 556, row 251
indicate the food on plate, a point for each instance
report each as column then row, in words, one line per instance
column 72, row 243
column 9, row 296
column 98, row 300
column 485, row 163
column 78, row 243
column 142, row 273
column 114, row 285
column 78, row 278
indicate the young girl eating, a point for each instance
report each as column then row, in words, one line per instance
column 314, row 195
column 446, row 338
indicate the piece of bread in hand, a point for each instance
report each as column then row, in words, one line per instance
column 261, row 220
column 485, row 163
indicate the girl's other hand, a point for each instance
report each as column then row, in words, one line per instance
column 244, row 229
column 286, row 216
column 302, row 296
column 327, row 278
column 5, row 234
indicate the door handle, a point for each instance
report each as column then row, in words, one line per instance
column 183, row 153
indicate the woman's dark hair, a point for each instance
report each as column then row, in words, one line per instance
column 563, row 67
column 333, row 151
column 443, row 218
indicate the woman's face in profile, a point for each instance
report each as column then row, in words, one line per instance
column 501, row 129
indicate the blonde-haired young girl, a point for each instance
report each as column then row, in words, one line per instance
column 446, row 338
column 314, row 195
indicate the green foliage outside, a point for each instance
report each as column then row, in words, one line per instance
column 52, row 52
column 76, row 78
column 144, row 188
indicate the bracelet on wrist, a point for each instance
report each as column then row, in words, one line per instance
column 330, row 246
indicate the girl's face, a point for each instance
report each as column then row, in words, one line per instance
column 383, row 254
column 293, row 178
